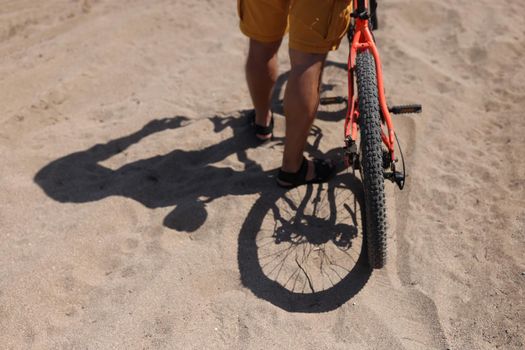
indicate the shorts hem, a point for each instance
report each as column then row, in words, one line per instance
column 259, row 37
column 312, row 48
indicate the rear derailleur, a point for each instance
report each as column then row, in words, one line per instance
column 393, row 175
column 352, row 159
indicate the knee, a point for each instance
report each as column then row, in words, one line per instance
column 304, row 61
column 262, row 52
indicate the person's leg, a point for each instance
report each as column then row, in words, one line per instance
column 261, row 75
column 301, row 100
column 315, row 28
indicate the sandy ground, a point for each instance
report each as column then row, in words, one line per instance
column 137, row 211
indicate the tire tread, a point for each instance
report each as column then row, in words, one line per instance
column 372, row 160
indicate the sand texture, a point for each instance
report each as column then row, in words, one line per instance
column 137, row 210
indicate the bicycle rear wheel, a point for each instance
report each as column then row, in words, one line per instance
column 371, row 159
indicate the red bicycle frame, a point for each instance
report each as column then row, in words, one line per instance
column 363, row 40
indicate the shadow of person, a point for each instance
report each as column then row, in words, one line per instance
column 184, row 179
column 303, row 249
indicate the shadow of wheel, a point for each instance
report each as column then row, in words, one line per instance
column 302, row 249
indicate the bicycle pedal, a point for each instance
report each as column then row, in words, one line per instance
column 406, row 109
column 332, row 100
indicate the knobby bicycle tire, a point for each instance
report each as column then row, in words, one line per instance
column 371, row 159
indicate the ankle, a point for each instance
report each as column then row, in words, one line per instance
column 264, row 118
column 292, row 166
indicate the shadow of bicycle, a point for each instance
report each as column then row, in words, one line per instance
column 302, row 249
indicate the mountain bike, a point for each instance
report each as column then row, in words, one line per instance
column 369, row 134
column 301, row 248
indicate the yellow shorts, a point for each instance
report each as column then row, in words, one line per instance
column 315, row 26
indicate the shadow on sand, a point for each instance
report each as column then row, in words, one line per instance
column 301, row 249
column 184, row 179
